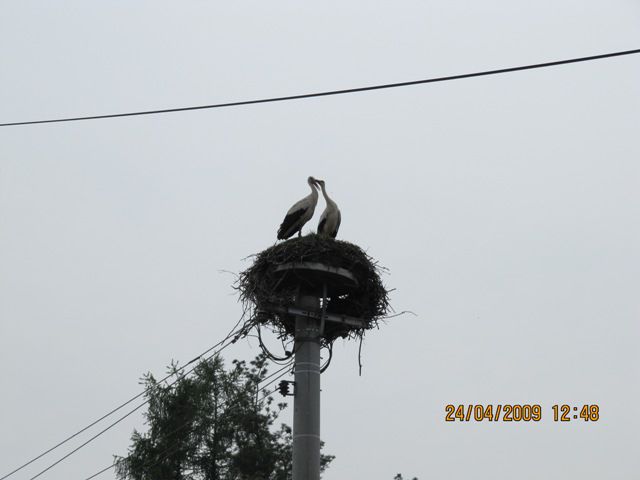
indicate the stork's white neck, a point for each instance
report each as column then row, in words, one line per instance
column 326, row 197
column 314, row 190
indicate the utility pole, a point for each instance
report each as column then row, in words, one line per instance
column 312, row 281
column 306, row 403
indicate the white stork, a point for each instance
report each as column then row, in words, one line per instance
column 330, row 219
column 300, row 213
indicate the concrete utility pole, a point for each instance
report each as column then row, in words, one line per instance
column 306, row 403
column 313, row 281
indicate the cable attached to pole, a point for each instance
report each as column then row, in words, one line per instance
column 232, row 335
column 163, row 453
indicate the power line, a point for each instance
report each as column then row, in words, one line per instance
column 88, row 441
column 186, row 423
column 119, row 407
column 333, row 92
column 113, row 424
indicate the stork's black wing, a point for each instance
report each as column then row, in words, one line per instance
column 321, row 225
column 290, row 224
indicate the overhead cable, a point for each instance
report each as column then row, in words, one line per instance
column 113, row 424
column 122, row 405
column 161, row 455
column 331, row 92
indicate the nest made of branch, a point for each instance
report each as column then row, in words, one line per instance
column 261, row 285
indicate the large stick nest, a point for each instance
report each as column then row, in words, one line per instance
column 260, row 285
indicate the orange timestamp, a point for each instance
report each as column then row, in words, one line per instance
column 519, row 413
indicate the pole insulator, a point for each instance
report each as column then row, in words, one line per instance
column 283, row 388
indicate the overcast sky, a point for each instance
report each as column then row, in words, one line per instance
column 507, row 209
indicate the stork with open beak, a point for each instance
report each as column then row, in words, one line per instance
column 330, row 219
column 300, row 213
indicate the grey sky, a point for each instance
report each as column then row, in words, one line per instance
column 505, row 207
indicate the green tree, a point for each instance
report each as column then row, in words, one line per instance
column 212, row 425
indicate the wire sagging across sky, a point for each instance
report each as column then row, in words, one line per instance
column 280, row 373
column 333, row 92
column 228, row 340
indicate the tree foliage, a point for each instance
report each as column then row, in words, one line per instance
column 212, row 425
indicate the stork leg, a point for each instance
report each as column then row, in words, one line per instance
column 299, row 233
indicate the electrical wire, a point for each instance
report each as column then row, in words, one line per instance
column 186, row 423
column 267, row 352
column 333, row 92
column 277, row 378
column 328, row 362
column 360, row 357
column 113, row 424
column 234, row 332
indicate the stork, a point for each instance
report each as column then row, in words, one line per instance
column 300, row 213
column 330, row 219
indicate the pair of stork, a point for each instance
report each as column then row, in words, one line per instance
column 302, row 211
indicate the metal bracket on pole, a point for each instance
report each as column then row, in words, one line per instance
column 331, row 317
